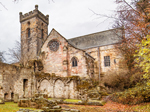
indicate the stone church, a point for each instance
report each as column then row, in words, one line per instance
column 52, row 64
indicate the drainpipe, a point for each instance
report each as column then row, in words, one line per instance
column 99, row 63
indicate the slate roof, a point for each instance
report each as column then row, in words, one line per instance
column 103, row 38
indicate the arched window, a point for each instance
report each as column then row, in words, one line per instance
column 74, row 62
column 54, row 45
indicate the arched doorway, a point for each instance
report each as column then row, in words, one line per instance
column 45, row 87
column 6, row 96
column 59, row 89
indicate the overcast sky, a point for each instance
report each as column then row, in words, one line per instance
column 71, row 18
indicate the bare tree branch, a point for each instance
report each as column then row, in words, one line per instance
column 3, row 5
column 2, row 58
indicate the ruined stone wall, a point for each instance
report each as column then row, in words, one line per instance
column 11, row 81
column 25, row 82
column 58, row 87
column 90, row 66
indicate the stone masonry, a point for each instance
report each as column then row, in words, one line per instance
column 53, row 65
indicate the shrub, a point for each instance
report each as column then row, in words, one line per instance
column 120, row 82
column 136, row 95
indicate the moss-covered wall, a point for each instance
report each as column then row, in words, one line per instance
column 12, row 81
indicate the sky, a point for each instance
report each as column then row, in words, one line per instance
column 71, row 18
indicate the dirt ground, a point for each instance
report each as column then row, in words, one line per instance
column 110, row 106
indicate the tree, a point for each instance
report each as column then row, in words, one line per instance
column 134, row 18
column 17, row 56
column 143, row 58
column 15, row 53
column 2, row 59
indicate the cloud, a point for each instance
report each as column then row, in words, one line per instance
column 71, row 18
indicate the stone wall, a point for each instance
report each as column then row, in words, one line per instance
column 37, row 23
column 12, row 78
column 53, row 60
column 81, row 68
column 25, row 82
column 58, row 87
column 116, row 59
column 60, row 61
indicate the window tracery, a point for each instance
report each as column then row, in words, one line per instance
column 74, row 62
column 53, row 45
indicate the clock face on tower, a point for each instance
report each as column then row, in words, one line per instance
column 54, row 45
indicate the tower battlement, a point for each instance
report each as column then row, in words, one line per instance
column 34, row 13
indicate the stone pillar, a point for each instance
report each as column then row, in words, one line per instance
column 16, row 98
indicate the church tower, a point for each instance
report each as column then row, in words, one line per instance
column 34, row 31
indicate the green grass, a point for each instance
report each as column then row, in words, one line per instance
column 67, row 100
column 11, row 107
column 72, row 100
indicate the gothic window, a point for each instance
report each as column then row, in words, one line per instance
column 53, row 45
column 74, row 62
column 106, row 61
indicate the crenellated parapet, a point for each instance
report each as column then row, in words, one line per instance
column 34, row 13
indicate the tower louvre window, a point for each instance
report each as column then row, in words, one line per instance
column 106, row 61
column 28, row 38
column 28, row 32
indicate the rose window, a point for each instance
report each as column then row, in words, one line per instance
column 53, row 45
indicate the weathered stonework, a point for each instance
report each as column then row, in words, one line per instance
column 60, row 61
column 58, row 87
column 51, row 64
column 12, row 81
column 31, row 43
column 116, row 59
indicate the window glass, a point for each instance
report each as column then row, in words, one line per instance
column 106, row 61
column 74, row 62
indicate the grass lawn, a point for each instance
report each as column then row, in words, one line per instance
column 67, row 100
column 109, row 107
column 72, row 100
column 11, row 107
